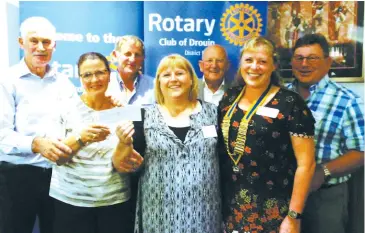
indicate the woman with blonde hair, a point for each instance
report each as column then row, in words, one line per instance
column 179, row 183
column 267, row 160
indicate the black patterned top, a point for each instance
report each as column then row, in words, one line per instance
column 256, row 198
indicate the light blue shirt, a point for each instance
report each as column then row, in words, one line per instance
column 142, row 94
column 30, row 107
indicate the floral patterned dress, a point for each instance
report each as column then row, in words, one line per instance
column 256, row 198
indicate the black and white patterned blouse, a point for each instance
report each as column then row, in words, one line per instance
column 179, row 185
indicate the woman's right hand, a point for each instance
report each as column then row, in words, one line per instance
column 125, row 158
column 125, row 131
column 94, row 133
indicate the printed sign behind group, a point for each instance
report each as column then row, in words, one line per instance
column 185, row 28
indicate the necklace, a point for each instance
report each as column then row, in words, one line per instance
column 239, row 148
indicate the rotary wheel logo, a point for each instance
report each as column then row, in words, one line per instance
column 240, row 23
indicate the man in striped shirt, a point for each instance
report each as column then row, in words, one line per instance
column 339, row 135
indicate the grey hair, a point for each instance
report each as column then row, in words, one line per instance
column 37, row 24
column 136, row 40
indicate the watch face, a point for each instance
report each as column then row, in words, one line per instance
column 292, row 214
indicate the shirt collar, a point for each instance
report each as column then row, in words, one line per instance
column 318, row 86
column 121, row 82
column 221, row 87
column 24, row 70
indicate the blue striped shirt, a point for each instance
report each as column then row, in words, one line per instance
column 339, row 118
column 142, row 94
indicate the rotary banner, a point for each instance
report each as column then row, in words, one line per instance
column 185, row 28
column 189, row 27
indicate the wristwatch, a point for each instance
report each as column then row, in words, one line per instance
column 294, row 215
column 327, row 173
column 79, row 141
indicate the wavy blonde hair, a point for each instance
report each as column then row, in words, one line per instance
column 176, row 60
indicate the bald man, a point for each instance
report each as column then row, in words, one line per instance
column 214, row 66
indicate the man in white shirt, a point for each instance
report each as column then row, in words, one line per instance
column 31, row 95
column 214, row 65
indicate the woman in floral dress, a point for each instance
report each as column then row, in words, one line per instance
column 267, row 159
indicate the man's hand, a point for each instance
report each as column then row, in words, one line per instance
column 51, row 149
column 318, row 179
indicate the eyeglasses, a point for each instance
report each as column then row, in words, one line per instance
column 212, row 61
column 99, row 74
column 310, row 59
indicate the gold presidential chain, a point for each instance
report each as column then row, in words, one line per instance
column 239, row 147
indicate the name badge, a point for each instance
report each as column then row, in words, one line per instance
column 269, row 112
column 209, row 131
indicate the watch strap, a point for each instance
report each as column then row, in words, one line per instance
column 327, row 173
column 294, row 215
column 79, row 141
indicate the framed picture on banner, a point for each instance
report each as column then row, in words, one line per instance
column 341, row 22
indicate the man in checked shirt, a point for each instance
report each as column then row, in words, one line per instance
column 339, row 135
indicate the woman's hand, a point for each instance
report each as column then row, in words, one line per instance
column 94, row 133
column 125, row 131
column 125, row 158
column 130, row 163
column 290, row 225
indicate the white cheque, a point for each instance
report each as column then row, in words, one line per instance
column 112, row 117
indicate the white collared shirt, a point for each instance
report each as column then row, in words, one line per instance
column 215, row 97
column 29, row 107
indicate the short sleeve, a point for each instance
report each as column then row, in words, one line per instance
column 353, row 125
column 300, row 121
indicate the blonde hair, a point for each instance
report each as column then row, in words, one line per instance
column 251, row 45
column 129, row 38
column 176, row 60
column 37, row 24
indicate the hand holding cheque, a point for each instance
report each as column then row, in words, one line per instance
column 125, row 158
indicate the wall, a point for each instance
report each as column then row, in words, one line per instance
column 9, row 24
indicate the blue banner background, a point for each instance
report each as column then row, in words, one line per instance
column 89, row 21
column 193, row 10
column 86, row 18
